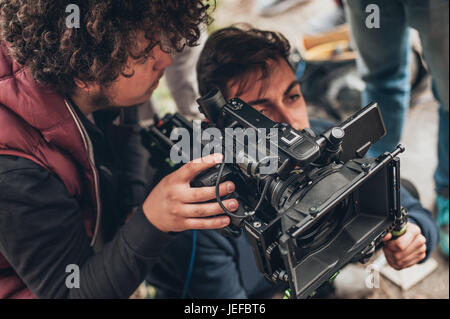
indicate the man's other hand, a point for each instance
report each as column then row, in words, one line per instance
column 406, row 250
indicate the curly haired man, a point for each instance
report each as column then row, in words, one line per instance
column 72, row 191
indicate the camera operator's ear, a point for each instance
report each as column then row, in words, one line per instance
column 81, row 84
column 211, row 104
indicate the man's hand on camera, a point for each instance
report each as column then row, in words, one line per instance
column 406, row 250
column 173, row 205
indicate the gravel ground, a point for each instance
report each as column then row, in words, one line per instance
column 418, row 162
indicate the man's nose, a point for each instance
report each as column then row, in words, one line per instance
column 283, row 114
column 164, row 61
column 168, row 59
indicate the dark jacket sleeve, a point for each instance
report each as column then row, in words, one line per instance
column 422, row 218
column 134, row 185
column 42, row 233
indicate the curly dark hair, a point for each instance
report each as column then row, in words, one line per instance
column 232, row 53
column 99, row 49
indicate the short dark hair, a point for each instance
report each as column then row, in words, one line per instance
column 99, row 49
column 233, row 52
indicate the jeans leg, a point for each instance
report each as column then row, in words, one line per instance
column 430, row 18
column 383, row 61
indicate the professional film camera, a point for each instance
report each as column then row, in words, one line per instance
column 324, row 205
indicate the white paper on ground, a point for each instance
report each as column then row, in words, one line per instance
column 409, row 277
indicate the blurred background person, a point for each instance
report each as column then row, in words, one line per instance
column 383, row 61
column 274, row 7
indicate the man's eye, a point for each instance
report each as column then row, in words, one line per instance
column 143, row 59
column 167, row 49
column 294, row 97
column 146, row 57
column 263, row 111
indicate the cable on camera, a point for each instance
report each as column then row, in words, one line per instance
column 219, row 200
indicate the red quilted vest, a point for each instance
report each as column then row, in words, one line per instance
column 38, row 124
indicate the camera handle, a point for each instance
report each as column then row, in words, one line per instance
column 400, row 225
column 401, row 216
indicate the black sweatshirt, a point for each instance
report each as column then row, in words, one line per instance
column 42, row 232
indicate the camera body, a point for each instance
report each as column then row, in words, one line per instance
column 322, row 207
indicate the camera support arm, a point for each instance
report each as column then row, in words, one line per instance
column 401, row 213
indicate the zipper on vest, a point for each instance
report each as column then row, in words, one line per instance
column 88, row 145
